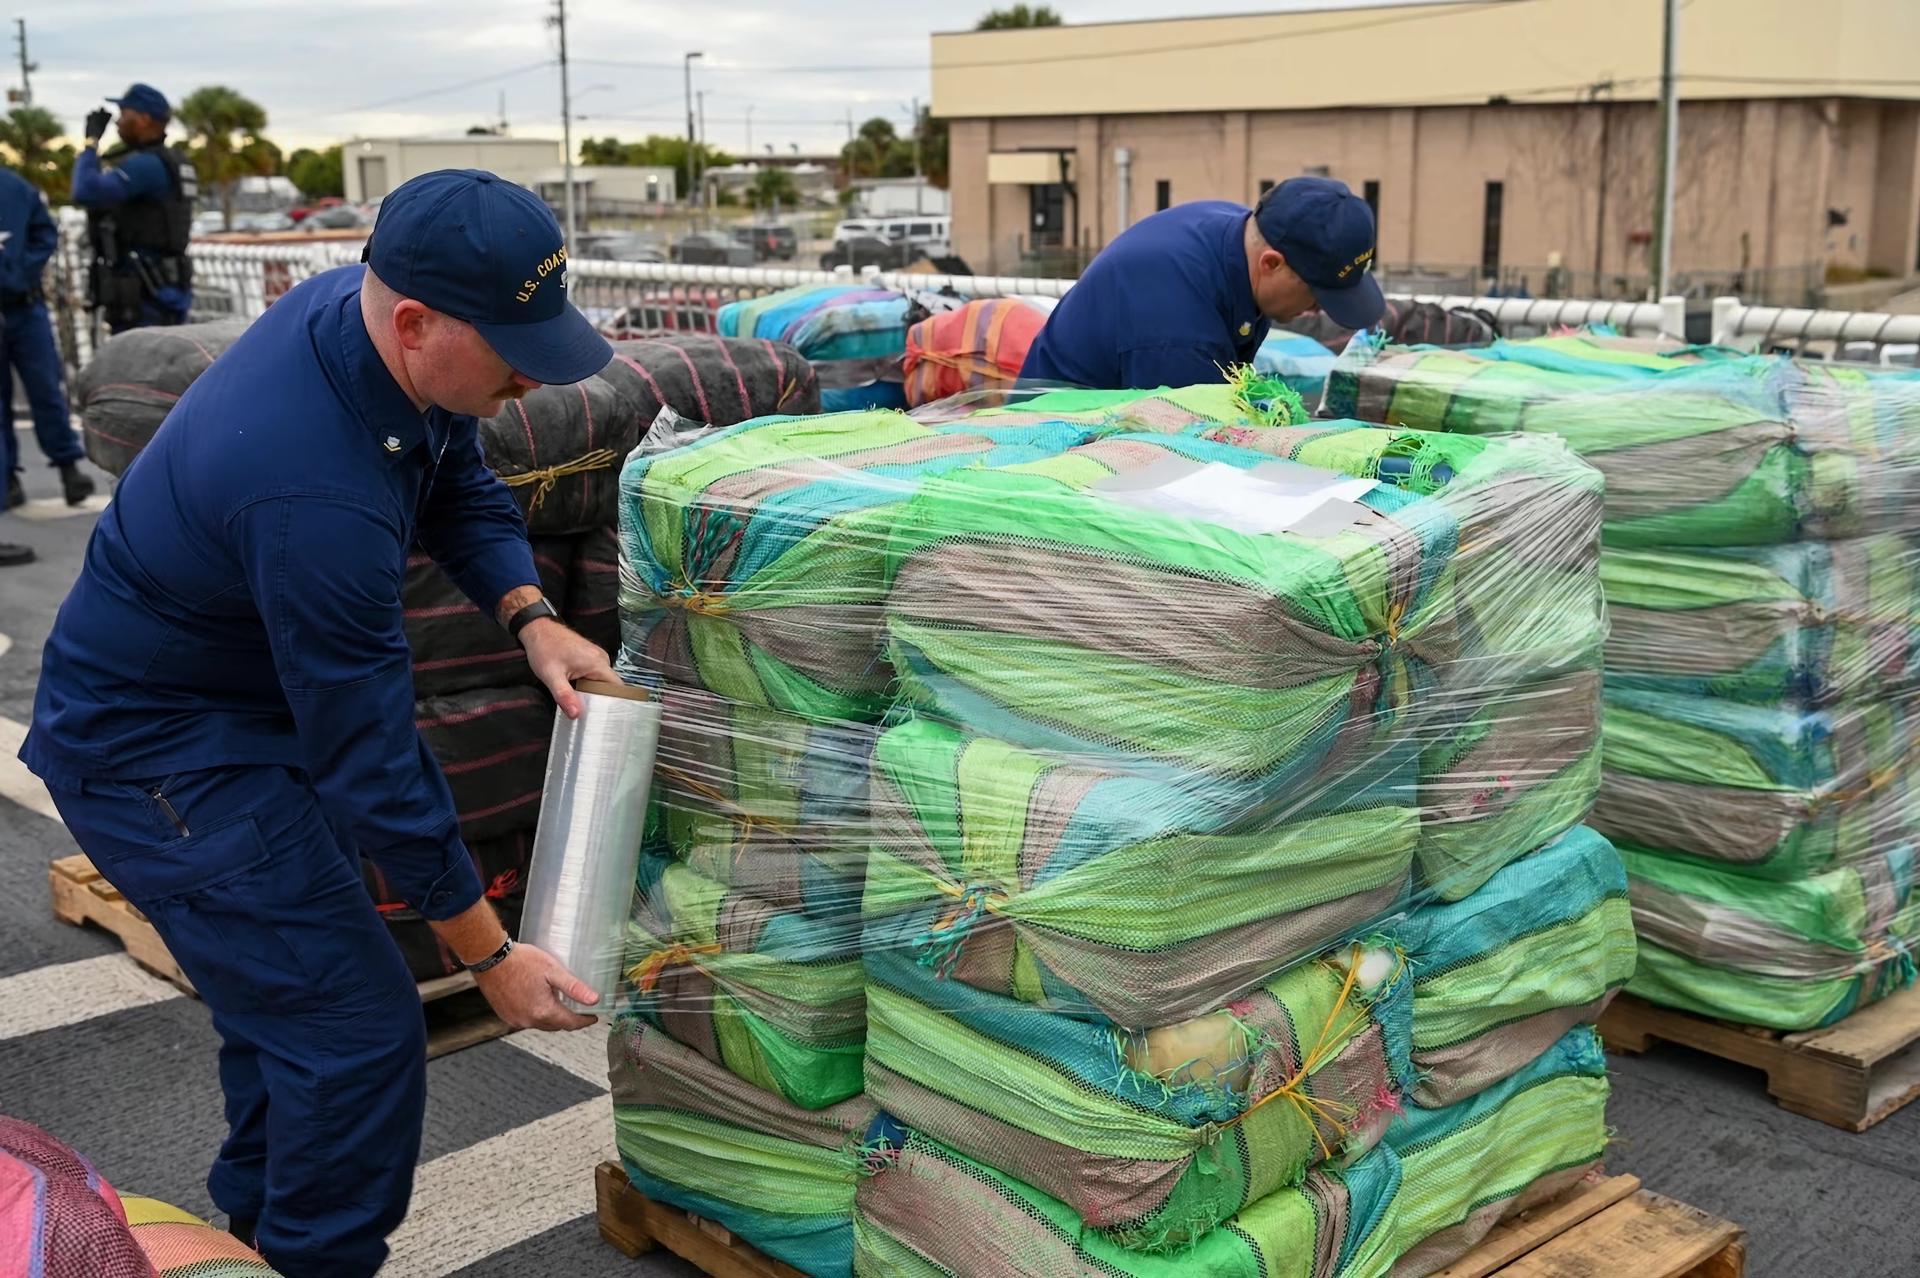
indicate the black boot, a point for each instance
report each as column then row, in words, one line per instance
column 12, row 556
column 77, row 486
column 16, row 495
column 246, row 1229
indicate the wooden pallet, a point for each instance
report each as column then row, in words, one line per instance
column 636, row 1225
column 457, row 1013
column 1609, row 1226
column 1851, row 1075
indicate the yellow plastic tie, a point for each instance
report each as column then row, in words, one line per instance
column 547, row 476
column 646, row 974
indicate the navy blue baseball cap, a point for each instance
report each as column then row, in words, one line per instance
column 145, row 98
column 1326, row 233
column 475, row 246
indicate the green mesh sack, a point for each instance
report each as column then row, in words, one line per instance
column 1030, row 604
column 751, row 560
column 1151, row 1136
column 1769, row 791
column 1522, row 1141
column 1246, row 398
column 932, row 1213
column 1789, row 955
column 768, row 803
column 1729, row 452
column 693, row 1136
column 1812, row 621
column 1100, row 893
column 775, row 996
column 1500, row 976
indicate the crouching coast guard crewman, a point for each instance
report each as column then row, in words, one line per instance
column 1187, row 293
column 225, row 713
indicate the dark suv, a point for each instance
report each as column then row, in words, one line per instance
column 769, row 241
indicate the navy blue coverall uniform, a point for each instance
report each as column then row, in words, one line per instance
column 28, row 238
column 225, row 721
column 1168, row 303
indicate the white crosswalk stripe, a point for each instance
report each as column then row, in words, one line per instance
column 16, row 782
column 41, row 509
column 544, row 1168
column 582, row 1053
column 68, row 993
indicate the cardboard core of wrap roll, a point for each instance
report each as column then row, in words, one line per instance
column 608, row 688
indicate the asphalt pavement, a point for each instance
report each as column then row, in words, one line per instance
column 122, row 1067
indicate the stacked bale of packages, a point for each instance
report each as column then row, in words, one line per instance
column 854, row 334
column 1216, row 883
column 1761, row 574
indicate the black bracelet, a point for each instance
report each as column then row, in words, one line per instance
column 494, row 959
column 528, row 615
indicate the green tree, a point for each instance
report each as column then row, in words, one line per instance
column 772, row 187
column 318, row 173
column 1015, row 16
column 28, row 135
column 225, row 134
column 877, row 151
column 933, row 148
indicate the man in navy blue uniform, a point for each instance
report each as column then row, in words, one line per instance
column 139, row 214
column 1187, row 293
column 225, row 709
column 27, row 240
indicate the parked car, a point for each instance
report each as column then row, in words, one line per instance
column 855, row 228
column 681, row 308
column 616, row 246
column 340, row 217
column 262, row 222
column 768, row 240
column 302, row 212
column 863, row 251
column 710, row 248
column 209, row 222
column 931, row 234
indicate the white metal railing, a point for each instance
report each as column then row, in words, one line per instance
column 243, row 279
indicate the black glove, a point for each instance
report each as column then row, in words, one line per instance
column 97, row 122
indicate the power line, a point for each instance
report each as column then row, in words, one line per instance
column 445, row 88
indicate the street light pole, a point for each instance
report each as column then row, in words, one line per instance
column 749, row 130
column 688, row 65
column 1669, row 150
column 566, row 112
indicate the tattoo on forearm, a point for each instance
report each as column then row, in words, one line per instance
column 514, row 600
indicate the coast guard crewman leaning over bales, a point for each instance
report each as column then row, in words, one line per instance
column 1188, row 292
column 225, row 713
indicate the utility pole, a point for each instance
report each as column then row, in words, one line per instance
column 1669, row 151
column 1600, row 184
column 503, row 113
column 26, row 68
column 566, row 112
column 687, row 63
column 749, row 130
column 701, row 154
column 919, row 181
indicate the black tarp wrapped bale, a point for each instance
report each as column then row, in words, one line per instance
column 492, row 744
column 561, row 447
column 502, row 866
column 593, row 588
column 456, row 647
column 132, row 383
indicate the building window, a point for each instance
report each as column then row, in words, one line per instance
column 1490, row 230
column 1370, row 192
column 1048, row 224
column 1266, row 184
column 1162, row 194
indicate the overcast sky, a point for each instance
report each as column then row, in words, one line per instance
column 326, row 70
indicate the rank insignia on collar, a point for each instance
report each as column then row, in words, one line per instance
column 392, row 442
column 1246, row 330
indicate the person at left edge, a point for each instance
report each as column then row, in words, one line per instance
column 27, row 240
column 139, row 214
column 225, row 714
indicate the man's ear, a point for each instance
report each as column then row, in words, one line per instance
column 412, row 322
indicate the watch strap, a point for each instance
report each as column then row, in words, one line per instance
column 528, row 615
column 492, row 960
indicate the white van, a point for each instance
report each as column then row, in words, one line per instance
column 856, row 228
column 933, row 235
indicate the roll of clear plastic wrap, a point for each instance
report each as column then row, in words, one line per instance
column 592, row 814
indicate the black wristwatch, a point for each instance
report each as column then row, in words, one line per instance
column 528, row 615
column 494, row 959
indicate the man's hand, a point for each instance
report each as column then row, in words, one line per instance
column 558, row 656
column 524, row 991
column 97, row 122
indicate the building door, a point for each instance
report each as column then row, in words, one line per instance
column 1490, row 230
column 1047, row 225
column 373, row 177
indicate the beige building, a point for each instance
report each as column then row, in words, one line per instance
column 1506, row 144
column 375, row 166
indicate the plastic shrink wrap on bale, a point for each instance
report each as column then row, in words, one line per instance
column 1114, row 832
column 854, row 334
column 1761, row 565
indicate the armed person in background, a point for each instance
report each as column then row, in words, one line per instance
column 27, row 240
column 139, row 201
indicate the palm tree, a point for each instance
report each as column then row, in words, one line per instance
column 224, row 129
column 1019, row 15
column 28, row 133
column 773, row 187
